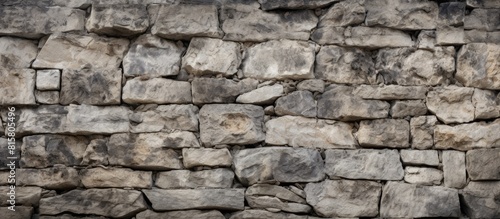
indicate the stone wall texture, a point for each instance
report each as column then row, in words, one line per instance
column 246, row 109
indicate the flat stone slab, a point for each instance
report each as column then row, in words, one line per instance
column 58, row 177
column 115, row 178
column 93, row 87
column 467, row 136
column 401, row 14
column 183, row 199
column 227, row 90
column 156, row 90
column 390, row 92
column 165, row 118
column 452, row 104
column 380, row 133
column 118, row 20
column 480, row 199
column 478, row 66
column 186, row 179
column 187, row 214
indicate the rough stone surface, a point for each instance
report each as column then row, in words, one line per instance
column 450, row 36
column 70, row 51
column 262, row 96
column 16, row 53
column 313, row 85
column 226, row 90
column 185, row 179
column 408, row 200
column 22, row 212
column 451, row 104
column 401, row 109
column 390, row 92
column 483, row 164
column 188, row 214
column 376, row 37
column 156, row 90
column 206, row 157
column 119, row 20
column 269, row 202
column 344, row 198
column 423, row 176
column 257, row 213
column 451, row 14
column 420, row 157
column 183, row 199
column 115, row 177
column 48, row 79
column 364, row 164
column 422, row 131
column 57, row 177
column 477, row 66
column 467, row 136
column 345, row 65
column 303, row 132
column 483, row 3
column 47, row 97
column 401, row 14
column 393, row 133
column 152, row 56
column 269, row 164
column 94, row 87
column 105, row 202
column 27, row 196
column 297, row 103
column 231, row 124
column 12, row 93
column 165, row 118
column 279, row 59
column 293, row 4
column 454, row 169
column 486, row 104
column 480, row 199
column 96, row 153
column 275, row 191
column 172, row 20
column 483, row 19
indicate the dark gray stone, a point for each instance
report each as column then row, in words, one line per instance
column 94, row 87
column 118, row 20
column 220, row 90
column 480, row 199
column 483, row 164
column 298, row 103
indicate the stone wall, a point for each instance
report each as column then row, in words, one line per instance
column 292, row 109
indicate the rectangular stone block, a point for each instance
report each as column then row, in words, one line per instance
column 454, row 169
column 156, row 90
column 401, row 14
column 186, row 179
column 164, row 118
column 227, row 90
column 423, row 175
column 27, row 196
column 420, row 157
column 17, row 87
column 115, row 177
column 467, row 136
column 17, row 52
column 183, row 199
column 422, row 131
column 47, row 97
column 480, row 199
column 58, row 177
column 483, row 164
column 118, row 20
column 376, row 37
column 477, row 65
column 392, row 133
column 345, row 65
column 93, row 87
column 206, row 157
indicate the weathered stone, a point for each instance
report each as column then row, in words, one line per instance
column 69, row 216
column 248, row 23
column 226, row 90
column 409, row 200
column 339, row 103
column 483, row 3
column 486, row 104
column 70, row 51
column 476, row 36
column 27, row 196
column 142, row 151
column 165, row 118
column 57, row 177
column 183, row 199
column 41, row 151
column 483, row 164
column 376, row 37
column 467, row 136
column 402, row 109
column 409, row 66
column 422, row 131
column 426, row 39
column 480, row 199
column 451, row 104
column 207, row 56
column 266, row 202
column 5, row 162
column 118, row 20
column 483, row 19
column 390, row 92
column 280, row 164
column 313, row 85
column 450, row 36
column 115, row 177
column 329, row 35
column 393, row 133
column 257, row 213
column 451, row 14
column 280, row 59
column 90, row 86
column 420, row 157
column 96, row 153
column 185, row 179
column 401, row 14
column 364, row 164
column 454, row 169
column 206, row 157
column 172, row 20
column 12, row 91
column 303, row 132
column 47, row 97
column 262, row 96
column 423, row 176
column 293, row 4
column 276, row 191
column 17, row 53
column 152, row 56
column 477, row 66
column 48, row 79
column 116, row 203
column 156, row 90
column 188, row 214
column 22, row 212
column 231, row 124
column 345, row 65
column 342, row 14
column 344, row 198
column 34, row 22
column 298, row 103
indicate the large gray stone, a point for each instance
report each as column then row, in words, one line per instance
column 247, row 23
column 451, row 14
column 409, row 200
column 186, row 21
column 400, row 14
column 17, row 53
column 422, row 131
column 344, row 198
column 280, row 59
column 185, row 179
column 364, row 164
column 70, row 51
column 27, row 196
column 58, row 177
column 477, row 66
column 12, row 91
column 231, row 124
column 156, row 90
column 423, row 175
column 476, row 36
column 467, row 136
column 402, row 109
column 220, row 90
column 262, row 95
column 311, row 133
column 188, row 214
column 486, row 19
column 454, row 169
column 91, row 86
column 481, row 199
column 297, row 103
column 116, row 203
column 206, row 157
column 376, row 37
column 420, row 157
column 451, row 104
column 47, row 97
column 270, row 164
column 100, row 177
column 22, row 212
column 164, row 118
column 342, row 14
column 152, row 56
column 392, row 133
column 483, row 164
column 118, row 20
column 390, row 92
column 293, row 4
column 313, row 85
column 34, row 22
column 486, row 104
column 183, row 199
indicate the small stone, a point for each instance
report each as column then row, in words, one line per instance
column 467, row 136
column 172, row 19
column 297, row 103
column 96, row 153
column 58, row 177
column 450, row 36
column 206, row 157
column 152, row 56
column 483, row 164
column 275, row 191
column 477, row 65
column 183, row 199
column 12, row 92
column 422, row 131
column 156, row 90
column 115, row 177
column 185, row 179
column 268, row 202
column 486, row 104
column 94, row 87
column 393, row 133
column 364, row 164
column 208, row 56
column 313, row 85
column 426, row 39
column 47, row 97
column 400, row 14
column 420, row 157
column 344, row 198
column 189, row 214
column 451, row 104
column 293, row 4
column 483, row 19
column 118, row 20
column 48, row 79
column 227, row 90
column 165, row 118
column 280, row 59
column 423, row 176
column 27, row 196
column 390, row 92
column 376, row 37
column 480, row 199
column 311, row 133
column 231, row 124
column 16, row 53
column 454, row 169
column 401, row 109
column 262, row 95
